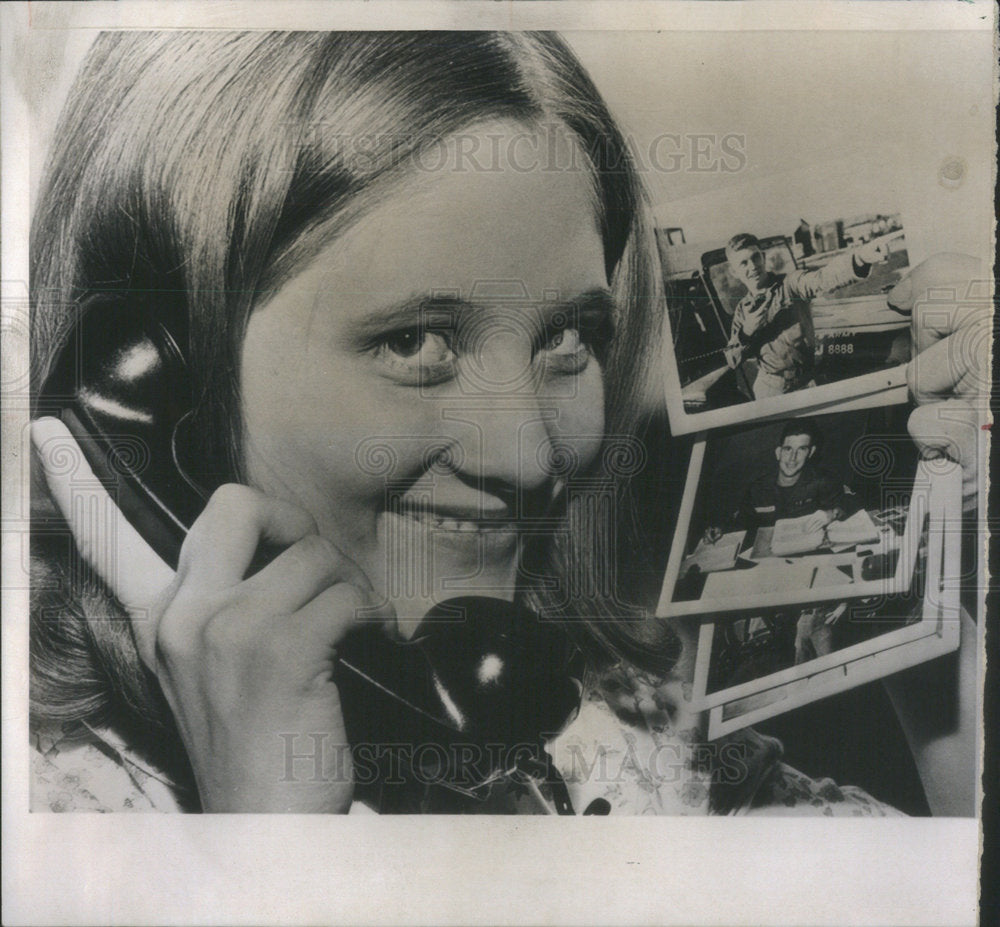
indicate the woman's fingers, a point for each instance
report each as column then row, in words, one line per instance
column 954, row 366
column 950, row 429
column 950, row 303
column 300, row 573
column 103, row 536
column 311, row 573
column 948, row 377
column 221, row 544
column 330, row 615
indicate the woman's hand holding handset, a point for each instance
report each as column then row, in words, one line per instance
column 246, row 664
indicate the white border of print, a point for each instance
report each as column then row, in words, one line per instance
column 249, row 869
column 682, row 423
column 937, row 633
column 898, row 583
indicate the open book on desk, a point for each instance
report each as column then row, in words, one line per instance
column 858, row 529
column 791, row 536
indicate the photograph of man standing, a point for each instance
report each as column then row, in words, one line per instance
column 773, row 323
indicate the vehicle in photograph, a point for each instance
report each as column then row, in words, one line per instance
column 856, row 329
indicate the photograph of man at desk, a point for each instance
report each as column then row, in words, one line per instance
column 764, row 323
column 800, row 510
column 797, row 488
column 755, row 664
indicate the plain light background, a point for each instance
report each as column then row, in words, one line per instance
column 830, row 122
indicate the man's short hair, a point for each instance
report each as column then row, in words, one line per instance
column 742, row 242
column 801, row 426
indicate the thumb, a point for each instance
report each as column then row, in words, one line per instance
column 951, row 429
column 103, row 536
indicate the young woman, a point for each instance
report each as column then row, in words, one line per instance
column 413, row 282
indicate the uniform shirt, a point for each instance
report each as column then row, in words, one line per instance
column 765, row 501
column 775, row 324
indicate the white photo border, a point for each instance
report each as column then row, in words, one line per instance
column 830, row 394
column 898, row 583
column 938, row 627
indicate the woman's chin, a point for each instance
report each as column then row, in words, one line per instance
column 428, row 561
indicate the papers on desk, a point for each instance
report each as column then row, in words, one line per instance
column 791, row 537
column 858, row 529
column 761, row 544
column 721, row 555
column 766, row 578
column 827, row 576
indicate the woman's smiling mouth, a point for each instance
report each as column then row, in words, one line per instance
column 434, row 551
column 464, row 520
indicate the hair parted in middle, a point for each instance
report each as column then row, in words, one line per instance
column 193, row 173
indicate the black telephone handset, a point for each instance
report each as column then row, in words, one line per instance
column 462, row 704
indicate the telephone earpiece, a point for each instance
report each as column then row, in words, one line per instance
column 120, row 386
column 483, row 680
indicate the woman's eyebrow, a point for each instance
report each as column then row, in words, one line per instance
column 599, row 299
column 440, row 308
column 406, row 313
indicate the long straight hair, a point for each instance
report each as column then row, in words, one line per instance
column 201, row 170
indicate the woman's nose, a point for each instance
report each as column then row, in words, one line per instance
column 505, row 446
column 504, row 413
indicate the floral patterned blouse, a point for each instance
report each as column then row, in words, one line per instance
column 634, row 749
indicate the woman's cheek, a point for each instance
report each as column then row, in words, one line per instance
column 581, row 419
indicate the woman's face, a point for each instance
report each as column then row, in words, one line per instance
column 409, row 386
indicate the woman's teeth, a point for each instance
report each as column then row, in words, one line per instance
column 450, row 524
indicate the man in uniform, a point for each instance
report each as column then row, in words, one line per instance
column 773, row 322
column 795, row 487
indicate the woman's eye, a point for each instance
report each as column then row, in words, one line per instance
column 566, row 342
column 416, row 352
column 405, row 343
column 570, row 347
